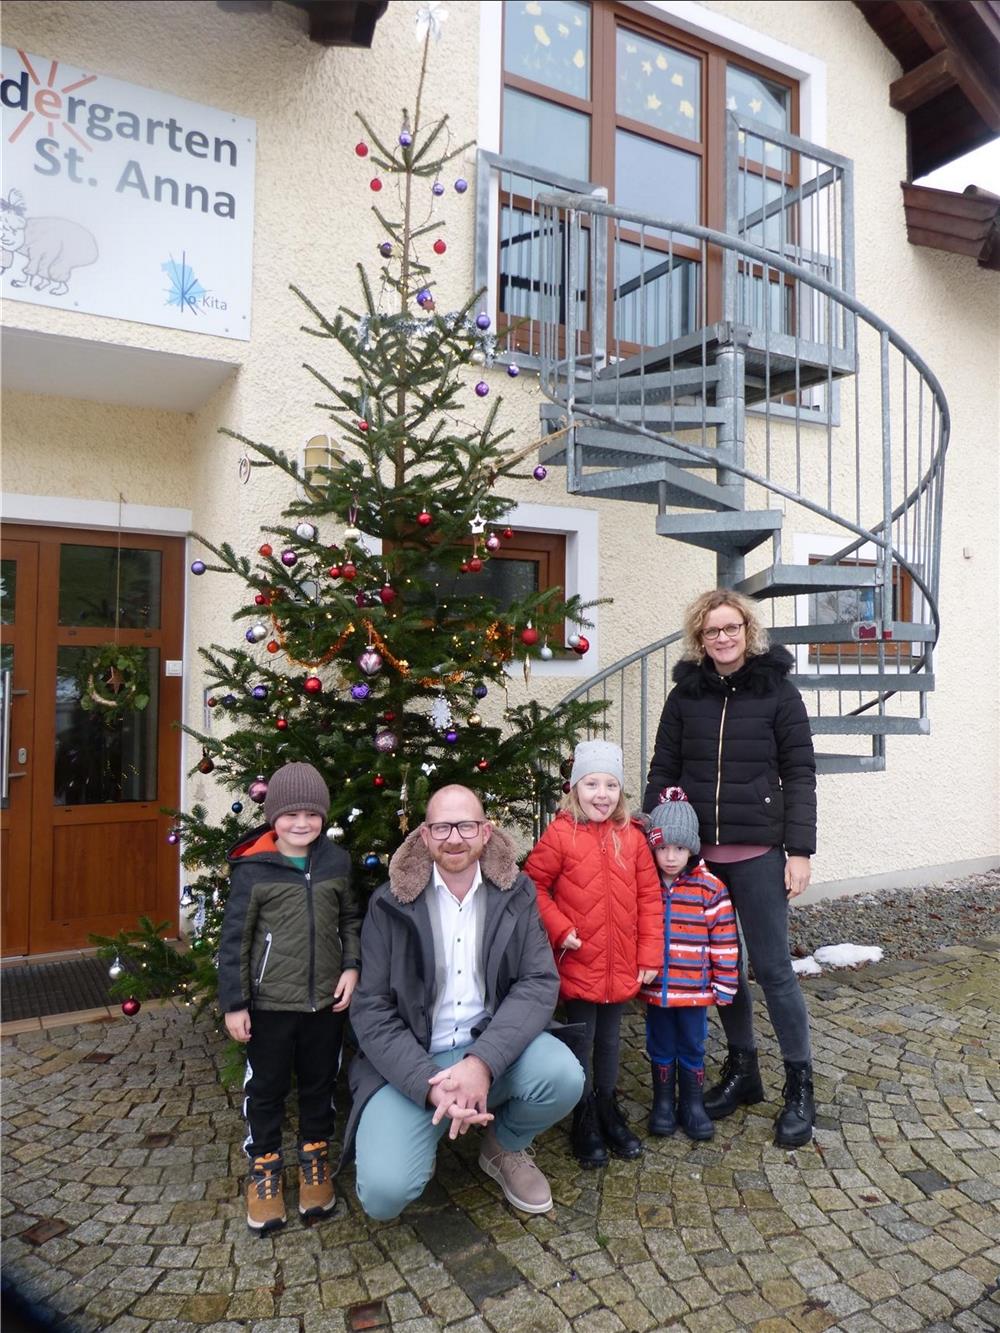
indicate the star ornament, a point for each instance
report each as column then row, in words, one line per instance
column 114, row 680
column 477, row 525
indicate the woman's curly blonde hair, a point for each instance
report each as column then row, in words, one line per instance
column 696, row 613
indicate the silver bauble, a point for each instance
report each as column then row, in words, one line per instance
column 306, row 532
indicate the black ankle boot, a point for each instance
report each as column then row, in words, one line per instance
column 614, row 1127
column 739, row 1084
column 588, row 1145
column 794, row 1125
column 690, row 1107
column 662, row 1116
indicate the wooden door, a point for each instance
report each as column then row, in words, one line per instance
column 98, row 789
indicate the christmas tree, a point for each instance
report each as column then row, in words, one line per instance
column 367, row 647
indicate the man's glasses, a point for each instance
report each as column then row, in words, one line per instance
column 466, row 829
column 730, row 631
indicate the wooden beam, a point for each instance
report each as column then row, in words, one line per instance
column 923, row 83
column 923, row 20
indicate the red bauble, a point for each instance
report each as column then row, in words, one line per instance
column 439, row 247
column 424, row 519
column 260, row 599
column 529, row 635
column 312, row 685
column 388, row 715
column 281, row 723
column 131, row 1007
column 266, row 550
column 361, row 599
column 210, row 703
column 464, row 567
column 378, row 780
column 483, row 765
column 273, row 646
column 387, row 595
column 334, row 571
column 507, row 533
column 362, row 425
column 581, row 646
column 361, row 149
column 375, row 184
column 349, row 570
column 475, row 564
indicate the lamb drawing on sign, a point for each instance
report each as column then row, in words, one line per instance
column 54, row 247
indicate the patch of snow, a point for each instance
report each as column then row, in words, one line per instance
column 847, row 955
column 807, row 967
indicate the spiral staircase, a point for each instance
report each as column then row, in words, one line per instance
column 732, row 385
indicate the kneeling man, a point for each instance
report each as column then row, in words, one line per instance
column 458, row 985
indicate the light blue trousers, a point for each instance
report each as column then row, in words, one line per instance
column 396, row 1144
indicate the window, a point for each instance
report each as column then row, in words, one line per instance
column 602, row 93
column 858, row 609
column 524, row 563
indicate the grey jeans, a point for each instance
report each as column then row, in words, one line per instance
column 757, row 888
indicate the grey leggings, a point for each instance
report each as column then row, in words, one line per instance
column 599, row 1042
column 757, row 888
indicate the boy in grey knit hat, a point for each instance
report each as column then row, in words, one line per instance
column 288, row 964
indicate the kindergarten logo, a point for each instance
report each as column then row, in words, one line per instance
column 185, row 291
column 46, row 103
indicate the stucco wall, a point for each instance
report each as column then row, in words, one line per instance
column 313, row 224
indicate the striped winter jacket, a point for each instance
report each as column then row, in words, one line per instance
column 701, row 953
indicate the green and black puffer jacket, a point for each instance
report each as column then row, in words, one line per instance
column 287, row 934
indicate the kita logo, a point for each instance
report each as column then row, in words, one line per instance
column 43, row 100
column 185, row 291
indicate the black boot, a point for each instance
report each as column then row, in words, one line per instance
column 662, row 1117
column 588, row 1146
column 690, row 1107
column 739, row 1084
column 794, row 1125
column 614, row 1127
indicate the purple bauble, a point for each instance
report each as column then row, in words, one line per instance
column 197, row 566
column 480, row 691
column 482, row 321
column 513, row 370
column 360, row 692
column 540, row 473
column 259, row 692
column 385, row 249
column 173, row 837
column 424, row 296
column 257, row 790
column 493, row 542
column 405, row 139
column 289, row 558
column 482, row 389
column 229, row 701
column 437, row 188
column 385, row 741
column 370, row 661
column 461, row 185
column 451, row 735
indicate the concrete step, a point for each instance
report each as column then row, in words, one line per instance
column 656, row 483
column 870, row 724
column 850, row 763
column 731, row 533
column 790, row 580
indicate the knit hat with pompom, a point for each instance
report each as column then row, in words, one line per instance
column 674, row 822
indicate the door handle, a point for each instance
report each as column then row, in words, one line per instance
column 6, row 687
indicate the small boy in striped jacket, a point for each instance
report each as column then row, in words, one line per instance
column 700, row 967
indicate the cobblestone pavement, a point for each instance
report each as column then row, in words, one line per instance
column 122, row 1208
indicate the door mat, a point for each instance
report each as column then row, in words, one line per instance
column 34, row 990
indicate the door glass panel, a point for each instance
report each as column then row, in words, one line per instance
column 658, row 85
column 655, row 299
column 545, row 135
column 548, row 41
column 651, row 178
column 98, row 762
column 8, row 591
column 91, row 583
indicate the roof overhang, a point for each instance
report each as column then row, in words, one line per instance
column 949, row 91
column 331, row 22
column 964, row 224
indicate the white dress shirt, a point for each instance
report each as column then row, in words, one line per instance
column 461, row 1001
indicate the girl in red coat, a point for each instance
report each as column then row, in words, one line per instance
column 599, row 900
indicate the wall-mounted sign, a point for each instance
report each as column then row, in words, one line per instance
column 122, row 201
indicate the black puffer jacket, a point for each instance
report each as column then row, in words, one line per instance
column 741, row 748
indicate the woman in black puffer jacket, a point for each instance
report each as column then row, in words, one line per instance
column 735, row 735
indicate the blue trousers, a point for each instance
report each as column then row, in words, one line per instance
column 677, row 1034
column 396, row 1144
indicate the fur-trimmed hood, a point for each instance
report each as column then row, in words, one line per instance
column 759, row 675
column 410, row 867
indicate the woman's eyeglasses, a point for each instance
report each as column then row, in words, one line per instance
column 730, row 631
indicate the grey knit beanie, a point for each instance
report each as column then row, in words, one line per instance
column 597, row 757
column 295, row 787
column 674, row 821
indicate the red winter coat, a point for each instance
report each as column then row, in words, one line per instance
column 613, row 905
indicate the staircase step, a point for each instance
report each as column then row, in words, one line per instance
column 607, row 448
column 733, row 533
column 610, row 387
column 903, row 631
column 850, row 763
column 870, row 724
column 788, row 580
column 651, row 483
column 865, row 682
column 658, row 416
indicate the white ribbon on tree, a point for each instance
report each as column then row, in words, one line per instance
column 430, row 17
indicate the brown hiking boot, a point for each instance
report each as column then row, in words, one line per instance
column 265, row 1201
column 516, row 1174
column 316, row 1195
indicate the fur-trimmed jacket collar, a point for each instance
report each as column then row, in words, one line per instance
column 410, row 867
column 759, row 675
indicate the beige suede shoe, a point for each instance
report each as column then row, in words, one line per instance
column 516, row 1174
column 265, row 1196
column 316, row 1193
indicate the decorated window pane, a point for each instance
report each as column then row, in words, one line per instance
column 546, row 135
column 750, row 95
column 656, row 295
column 654, row 179
column 548, row 41
column 658, row 85
column 99, row 590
